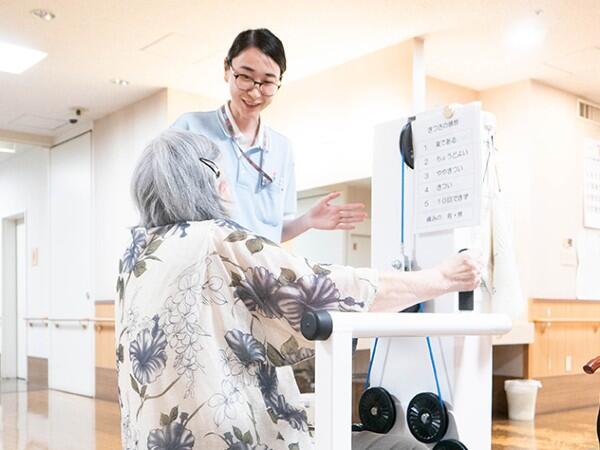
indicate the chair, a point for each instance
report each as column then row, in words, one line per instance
column 590, row 368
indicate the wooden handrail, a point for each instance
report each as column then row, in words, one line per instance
column 567, row 320
column 547, row 322
column 103, row 320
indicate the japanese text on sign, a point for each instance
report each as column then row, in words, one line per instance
column 447, row 168
column 591, row 187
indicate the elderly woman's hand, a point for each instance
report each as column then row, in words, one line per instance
column 325, row 216
column 461, row 272
column 398, row 290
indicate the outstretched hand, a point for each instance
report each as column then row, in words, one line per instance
column 325, row 216
column 461, row 272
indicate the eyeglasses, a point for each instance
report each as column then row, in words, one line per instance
column 211, row 165
column 246, row 83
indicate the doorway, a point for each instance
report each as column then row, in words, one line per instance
column 13, row 359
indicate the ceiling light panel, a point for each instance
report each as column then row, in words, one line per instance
column 527, row 35
column 16, row 59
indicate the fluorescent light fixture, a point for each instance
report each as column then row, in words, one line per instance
column 527, row 35
column 16, row 59
column 4, row 149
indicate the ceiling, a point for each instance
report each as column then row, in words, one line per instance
column 181, row 44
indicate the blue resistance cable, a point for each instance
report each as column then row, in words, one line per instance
column 402, row 207
column 431, row 356
column 433, row 366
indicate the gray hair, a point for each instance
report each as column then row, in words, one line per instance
column 170, row 184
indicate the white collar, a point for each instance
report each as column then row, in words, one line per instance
column 244, row 142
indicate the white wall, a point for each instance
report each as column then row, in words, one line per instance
column 24, row 188
column 540, row 159
column 510, row 105
column 118, row 140
column 330, row 116
column 180, row 102
column 557, row 195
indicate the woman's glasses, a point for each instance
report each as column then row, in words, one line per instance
column 246, row 83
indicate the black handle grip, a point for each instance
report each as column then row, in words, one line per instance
column 316, row 325
column 466, row 300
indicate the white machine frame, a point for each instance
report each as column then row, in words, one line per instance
column 461, row 340
column 333, row 392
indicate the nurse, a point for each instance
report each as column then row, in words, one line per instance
column 258, row 161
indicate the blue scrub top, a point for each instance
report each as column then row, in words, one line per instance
column 260, row 208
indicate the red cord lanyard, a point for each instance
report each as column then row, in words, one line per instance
column 264, row 178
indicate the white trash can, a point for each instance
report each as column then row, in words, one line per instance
column 521, row 396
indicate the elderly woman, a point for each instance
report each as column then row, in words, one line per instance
column 207, row 310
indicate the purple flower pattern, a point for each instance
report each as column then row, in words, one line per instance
column 148, row 355
column 172, row 345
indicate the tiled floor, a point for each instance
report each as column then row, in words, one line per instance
column 51, row 420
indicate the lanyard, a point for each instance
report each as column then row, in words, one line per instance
column 264, row 179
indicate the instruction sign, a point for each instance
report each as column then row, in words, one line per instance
column 591, row 186
column 447, row 145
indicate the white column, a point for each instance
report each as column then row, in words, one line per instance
column 419, row 78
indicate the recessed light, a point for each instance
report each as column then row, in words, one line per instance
column 16, row 59
column 43, row 14
column 119, row 81
column 527, row 34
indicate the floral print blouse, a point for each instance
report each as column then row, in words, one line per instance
column 207, row 312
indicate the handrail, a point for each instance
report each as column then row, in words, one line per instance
column 567, row 320
column 102, row 320
column 548, row 321
column 33, row 321
column 83, row 322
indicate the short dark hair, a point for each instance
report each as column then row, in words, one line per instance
column 262, row 39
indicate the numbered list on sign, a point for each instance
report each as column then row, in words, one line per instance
column 447, row 169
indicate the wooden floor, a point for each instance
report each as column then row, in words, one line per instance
column 52, row 420
column 569, row 430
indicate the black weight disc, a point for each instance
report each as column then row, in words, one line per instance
column 427, row 417
column 376, row 410
column 406, row 144
column 450, row 444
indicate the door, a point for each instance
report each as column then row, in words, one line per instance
column 71, row 358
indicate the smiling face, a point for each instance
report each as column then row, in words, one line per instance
column 258, row 66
